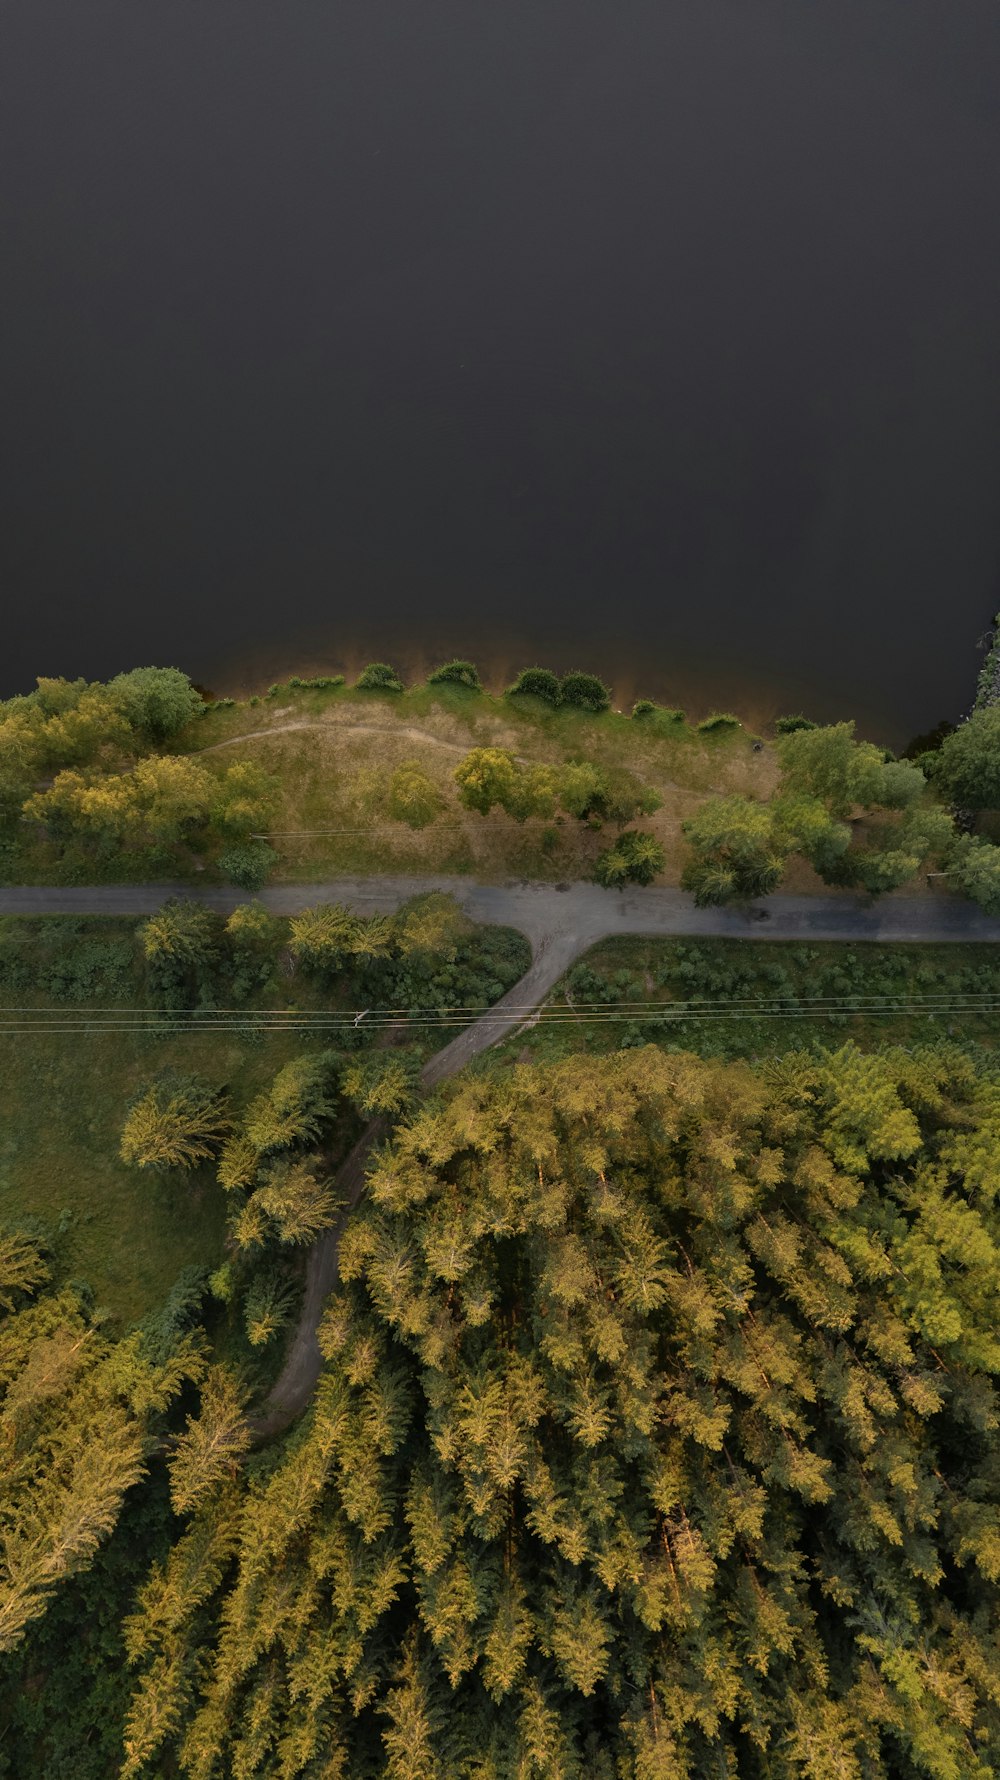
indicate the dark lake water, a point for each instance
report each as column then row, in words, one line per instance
column 660, row 337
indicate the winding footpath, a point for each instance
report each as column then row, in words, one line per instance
column 561, row 922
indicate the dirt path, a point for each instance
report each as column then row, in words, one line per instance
column 411, row 733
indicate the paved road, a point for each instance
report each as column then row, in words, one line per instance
column 560, row 922
column 572, row 916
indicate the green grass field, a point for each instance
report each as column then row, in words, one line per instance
column 62, row 1103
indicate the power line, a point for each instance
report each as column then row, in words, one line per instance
column 664, row 1014
column 820, row 1003
column 477, row 1008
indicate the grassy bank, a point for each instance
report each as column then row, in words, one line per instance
column 735, row 998
column 335, row 751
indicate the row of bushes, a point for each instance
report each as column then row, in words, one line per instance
column 576, row 690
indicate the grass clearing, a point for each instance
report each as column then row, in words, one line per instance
column 62, row 1104
column 667, row 973
column 335, row 751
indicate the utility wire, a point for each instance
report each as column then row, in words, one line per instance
column 971, row 997
column 660, row 1013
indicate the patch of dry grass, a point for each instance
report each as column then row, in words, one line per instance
column 335, row 753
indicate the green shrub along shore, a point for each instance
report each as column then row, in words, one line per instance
column 657, row 1427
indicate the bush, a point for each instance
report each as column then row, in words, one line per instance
column 413, row 797
column 585, row 691
column 378, row 676
column 788, row 725
column 718, row 721
column 456, row 673
column 248, row 865
column 635, row 858
column 644, row 707
column 155, row 701
column 536, row 683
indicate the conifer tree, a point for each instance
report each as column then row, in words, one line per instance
column 212, row 1443
column 177, row 1122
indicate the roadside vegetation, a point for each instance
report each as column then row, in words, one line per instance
column 747, row 999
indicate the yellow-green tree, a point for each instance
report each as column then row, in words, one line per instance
column 413, row 796
column 176, row 1123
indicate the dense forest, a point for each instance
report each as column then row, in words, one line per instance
column 657, row 1436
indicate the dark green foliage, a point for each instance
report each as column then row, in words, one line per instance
column 65, row 1692
column 253, row 939
column 536, row 682
column 661, row 717
column 456, row 673
column 827, row 763
column 426, row 956
column 966, row 768
column 378, row 676
column 737, row 998
column 789, row 725
column 635, row 858
column 927, row 743
column 739, row 846
column 163, row 1329
column 249, row 865
column 155, row 701
column 585, row 691
column 974, row 869
column 67, row 959
column 182, row 946
column 319, row 682
column 268, row 1303
column 717, row 722
column 738, row 850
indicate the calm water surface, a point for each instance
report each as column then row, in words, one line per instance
column 659, row 337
